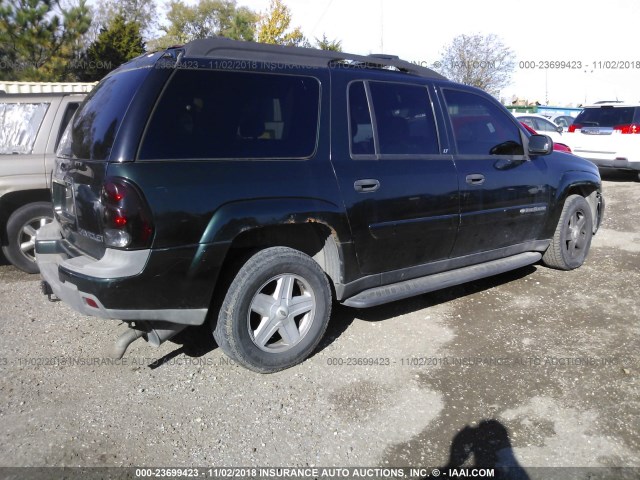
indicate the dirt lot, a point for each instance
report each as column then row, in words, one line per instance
column 536, row 368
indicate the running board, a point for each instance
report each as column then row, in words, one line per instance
column 418, row 286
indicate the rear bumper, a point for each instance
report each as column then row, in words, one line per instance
column 127, row 285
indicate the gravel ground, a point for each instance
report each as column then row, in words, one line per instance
column 536, row 368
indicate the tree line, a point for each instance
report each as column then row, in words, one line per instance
column 46, row 40
column 68, row 40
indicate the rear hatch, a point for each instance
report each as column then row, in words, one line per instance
column 83, row 157
column 606, row 132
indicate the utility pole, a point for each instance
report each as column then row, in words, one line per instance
column 546, row 86
column 381, row 26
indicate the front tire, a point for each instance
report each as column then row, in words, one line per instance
column 572, row 238
column 21, row 234
column 275, row 311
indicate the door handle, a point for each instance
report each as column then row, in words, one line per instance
column 366, row 185
column 475, row 179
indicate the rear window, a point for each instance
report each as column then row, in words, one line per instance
column 607, row 116
column 91, row 133
column 213, row 114
column 19, row 125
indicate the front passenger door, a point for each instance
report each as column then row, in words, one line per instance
column 504, row 194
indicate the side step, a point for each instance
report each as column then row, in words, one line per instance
column 418, row 286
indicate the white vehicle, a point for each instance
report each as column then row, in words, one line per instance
column 608, row 134
column 543, row 126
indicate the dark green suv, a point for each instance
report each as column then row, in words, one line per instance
column 252, row 185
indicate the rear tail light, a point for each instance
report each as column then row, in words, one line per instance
column 629, row 128
column 573, row 127
column 127, row 221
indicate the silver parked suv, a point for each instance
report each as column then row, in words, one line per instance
column 30, row 128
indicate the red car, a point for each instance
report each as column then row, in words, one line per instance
column 559, row 147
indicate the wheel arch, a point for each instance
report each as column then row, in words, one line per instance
column 585, row 184
column 314, row 227
column 313, row 238
column 12, row 201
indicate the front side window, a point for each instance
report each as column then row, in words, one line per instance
column 546, row 125
column 564, row 121
column 213, row 114
column 480, row 127
column 19, row 125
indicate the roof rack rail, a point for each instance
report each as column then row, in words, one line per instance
column 224, row 48
column 384, row 56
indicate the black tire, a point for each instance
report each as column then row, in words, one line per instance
column 572, row 238
column 274, row 280
column 21, row 227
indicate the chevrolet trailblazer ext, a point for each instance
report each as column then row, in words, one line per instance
column 250, row 185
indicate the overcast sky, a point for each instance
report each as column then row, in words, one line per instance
column 585, row 31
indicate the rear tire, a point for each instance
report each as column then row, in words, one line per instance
column 572, row 238
column 275, row 311
column 21, row 234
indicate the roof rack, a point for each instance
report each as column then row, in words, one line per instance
column 219, row 47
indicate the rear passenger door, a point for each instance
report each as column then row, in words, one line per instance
column 504, row 194
column 400, row 191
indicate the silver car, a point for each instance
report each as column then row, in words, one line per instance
column 30, row 128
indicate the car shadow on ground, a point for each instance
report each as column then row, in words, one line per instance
column 198, row 341
column 3, row 261
column 195, row 342
column 485, row 446
column 343, row 316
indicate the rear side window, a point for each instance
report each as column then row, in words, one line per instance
column 19, row 125
column 68, row 115
column 403, row 117
column 91, row 134
column 213, row 114
column 360, row 124
column 607, row 116
column 480, row 127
